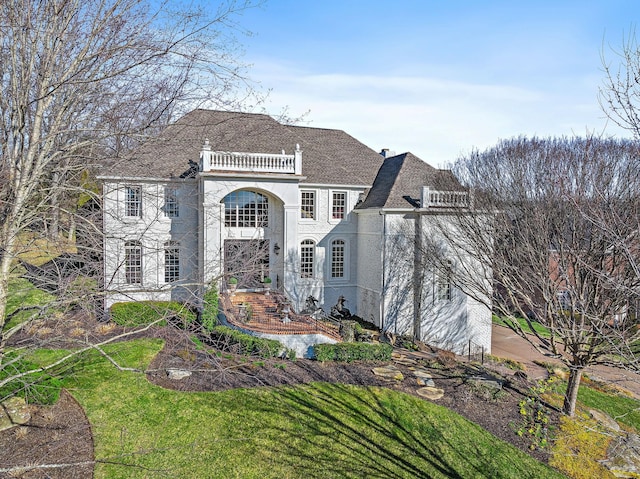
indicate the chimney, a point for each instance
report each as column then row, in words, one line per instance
column 386, row 153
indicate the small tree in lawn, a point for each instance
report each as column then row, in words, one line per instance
column 550, row 262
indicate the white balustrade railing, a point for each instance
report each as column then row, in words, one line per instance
column 254, row 162
column 444, row 199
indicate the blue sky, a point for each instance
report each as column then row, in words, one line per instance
column 437, row 78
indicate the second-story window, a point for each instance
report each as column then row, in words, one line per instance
column 133, row 201
column 308, row 205
column 171, row 209
column 338, row 205
column 246, row 209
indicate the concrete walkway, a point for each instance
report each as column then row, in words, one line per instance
column 507, row 344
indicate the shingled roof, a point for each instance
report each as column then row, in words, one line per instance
column 329, row 156
column 400, row 179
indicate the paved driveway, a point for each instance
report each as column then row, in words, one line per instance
column 506, row 344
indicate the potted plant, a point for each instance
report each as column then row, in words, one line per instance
column 267, row 284
column 232, row 283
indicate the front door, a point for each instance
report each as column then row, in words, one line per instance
column 247, row 261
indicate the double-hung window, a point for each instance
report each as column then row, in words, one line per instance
column 171, row 261
column 133, row 201
column 443, row 282
column 308, row 205
column 133, row 262
column 338, row 205
column 171, row 208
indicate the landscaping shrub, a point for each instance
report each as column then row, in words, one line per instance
column 145, row 312
column 235, row 341
column 348, row 352
column 209, row 317
column 35, row 388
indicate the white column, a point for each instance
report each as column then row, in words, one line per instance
column 290, row 246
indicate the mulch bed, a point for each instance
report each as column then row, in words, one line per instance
column 61, row 434
column 55, row 436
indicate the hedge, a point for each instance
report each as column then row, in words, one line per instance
column 235, row 341
column 145, row 312
column 347, row 352
column 209, row 317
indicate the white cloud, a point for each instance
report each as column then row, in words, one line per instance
column 435, row 118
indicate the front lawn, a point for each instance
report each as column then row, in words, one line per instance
column 314, row 431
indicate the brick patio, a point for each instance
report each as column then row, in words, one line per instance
column 267, row 315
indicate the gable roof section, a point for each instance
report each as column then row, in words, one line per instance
column 400, row 179
column 328, row 156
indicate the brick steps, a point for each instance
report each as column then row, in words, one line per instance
column 266, row 316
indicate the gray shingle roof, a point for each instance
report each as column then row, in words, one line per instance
column 400, row 179
column 329, row 156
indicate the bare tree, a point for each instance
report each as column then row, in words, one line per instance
column 619, row 92
column 83, row 82
column 550, row 261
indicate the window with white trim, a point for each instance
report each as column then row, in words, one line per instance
column 133, row 201
column 307, row 258
column 338, row 205
column 171, row 261
column 171, row 208
column 133, row 262
column 337, row 258
column 443, row 282
column 308, row 205
column 246, row 209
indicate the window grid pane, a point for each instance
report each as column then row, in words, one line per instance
column 337, row 259
column 339, row 200
column 171, row 261
column 308, row 205
column 171, row 203
column 133, row 262
column 132, row 202
column 443, row 284
column 244, row 209
column 307, row 248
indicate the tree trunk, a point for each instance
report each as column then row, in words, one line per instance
column 5, row 266
column 571, row 396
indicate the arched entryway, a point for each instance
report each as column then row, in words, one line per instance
column 252, row 233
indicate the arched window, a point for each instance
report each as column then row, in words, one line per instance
column 337, row 258
column 171, row 261
column 246, row 209
column 307, row 258
column 133, row 262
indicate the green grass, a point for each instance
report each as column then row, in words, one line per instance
column 313, row 431
column 23, row 293
column 543, row 331
column 621, row 408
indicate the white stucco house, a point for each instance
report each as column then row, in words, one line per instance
column 221, row 194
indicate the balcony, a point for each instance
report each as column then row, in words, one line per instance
column 444, row 199
column 250, row 162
